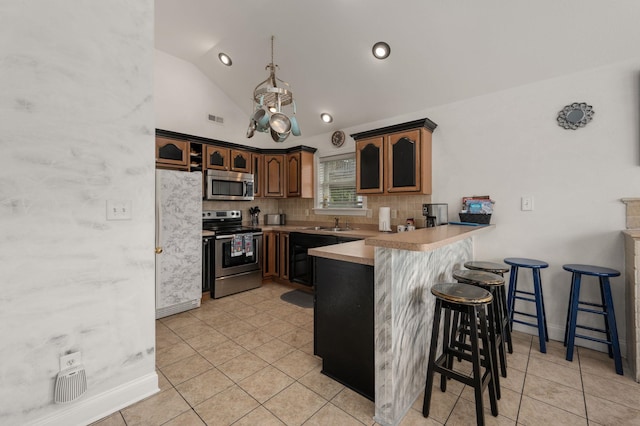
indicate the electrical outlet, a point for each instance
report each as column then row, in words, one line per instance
column 369, row 213
column 526, row 203
column 119, row 209
column 70, row 360
column 306, row 212
column 394, row 214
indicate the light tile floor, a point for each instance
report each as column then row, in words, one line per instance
column 247, row 359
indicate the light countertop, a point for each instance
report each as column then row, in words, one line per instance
column 354, row 232
column 354, row 252
column 424, row 239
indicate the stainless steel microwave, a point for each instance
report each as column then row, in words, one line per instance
column 234, row 186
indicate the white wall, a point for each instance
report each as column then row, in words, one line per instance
column 184, row 98
column 77, row 130
column 508, row 144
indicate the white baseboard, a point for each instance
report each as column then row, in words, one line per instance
column 92, row 409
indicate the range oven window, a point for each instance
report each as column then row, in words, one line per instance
column 229, row 262
column 228, row 265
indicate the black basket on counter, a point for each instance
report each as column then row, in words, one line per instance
column 480, row 218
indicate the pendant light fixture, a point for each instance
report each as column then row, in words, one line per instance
column 269, row 101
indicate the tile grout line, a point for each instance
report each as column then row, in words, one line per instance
column 526, row 369
column 584, row 393
column 238, row 385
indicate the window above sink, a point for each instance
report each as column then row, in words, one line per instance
column 336, row 190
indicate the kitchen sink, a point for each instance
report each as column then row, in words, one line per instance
column 326, row 228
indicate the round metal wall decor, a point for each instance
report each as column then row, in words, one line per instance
column 575, row 115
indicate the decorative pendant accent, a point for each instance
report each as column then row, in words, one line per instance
column 575, row 115
column 267, row 110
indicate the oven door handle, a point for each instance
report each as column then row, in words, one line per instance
column 228, row 237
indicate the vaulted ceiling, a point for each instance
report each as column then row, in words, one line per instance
column 441, row 51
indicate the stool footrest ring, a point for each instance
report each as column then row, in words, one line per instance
column 593, row 339
column 592, row 311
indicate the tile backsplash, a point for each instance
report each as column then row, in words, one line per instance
column 407, row 206
column 633, row 212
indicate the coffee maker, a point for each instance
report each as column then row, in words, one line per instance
column 435, row 214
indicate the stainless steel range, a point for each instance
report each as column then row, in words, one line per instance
column 237, row 253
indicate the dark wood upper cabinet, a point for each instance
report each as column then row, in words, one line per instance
column 273, row 175
column 404, row 162
column 369, row 166
column 257, row 161
column 240, row 161
column 277, row 172
column 395, row 159
column 172, row 153
column 216, row 158
column 300, row 174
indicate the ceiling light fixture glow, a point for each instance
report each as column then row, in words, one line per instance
column 381, row 50
column 326, row 117
column 225, row 59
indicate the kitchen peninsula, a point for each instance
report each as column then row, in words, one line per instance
column 404, row 267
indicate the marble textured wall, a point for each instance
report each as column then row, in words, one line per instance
column 77, row 130
column 404, row 309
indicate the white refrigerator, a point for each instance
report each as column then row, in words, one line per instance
column 178, row 241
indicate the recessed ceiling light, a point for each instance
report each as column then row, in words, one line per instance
column 381, row 50
column 225, row 59
column 326, row 117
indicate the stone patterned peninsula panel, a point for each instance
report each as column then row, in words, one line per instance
column 404, row 309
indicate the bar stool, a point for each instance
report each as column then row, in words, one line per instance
column 538, row 298
column 500, row 269
column 472, row 301
column 611, row 331
column 492, row 283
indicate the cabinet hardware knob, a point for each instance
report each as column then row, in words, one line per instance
column 158, row 250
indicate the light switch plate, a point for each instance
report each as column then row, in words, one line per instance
column 119, row 209
column 526, row 203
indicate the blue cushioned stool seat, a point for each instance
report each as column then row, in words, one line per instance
column 538, row 298
column 606, row 310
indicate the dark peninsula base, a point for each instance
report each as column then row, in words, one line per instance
column 344, row 322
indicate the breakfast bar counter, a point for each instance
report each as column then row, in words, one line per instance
column 405, row 266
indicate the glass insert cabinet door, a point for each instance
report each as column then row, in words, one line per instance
column 369, row 166
column 403, row 161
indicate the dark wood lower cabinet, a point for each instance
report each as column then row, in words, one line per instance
column 343, row 323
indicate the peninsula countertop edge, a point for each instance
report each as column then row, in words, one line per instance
column 424, row 239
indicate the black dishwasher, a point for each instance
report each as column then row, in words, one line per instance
column 300, row 263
